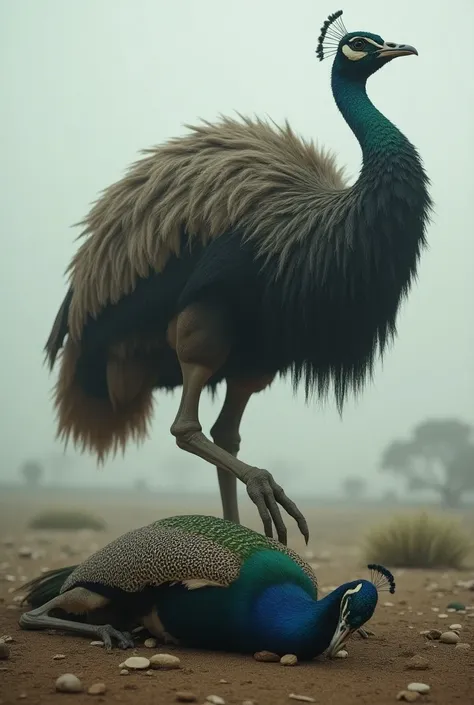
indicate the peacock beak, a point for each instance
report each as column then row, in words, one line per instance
column 390, row 50
column 341, row 635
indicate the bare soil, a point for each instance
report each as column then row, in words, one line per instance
column 373, row 674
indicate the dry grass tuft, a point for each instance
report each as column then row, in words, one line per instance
column 66, row 519
column 418, row 541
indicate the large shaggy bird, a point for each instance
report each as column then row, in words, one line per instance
column 238, row 252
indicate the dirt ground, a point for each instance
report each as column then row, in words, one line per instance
column 374, row 672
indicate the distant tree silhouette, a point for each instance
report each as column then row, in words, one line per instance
column 439, row 456
column 141, row 485
column 32, row 472
column 354, row 487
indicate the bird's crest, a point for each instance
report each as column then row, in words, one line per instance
column 332, row 32
column 382, row 578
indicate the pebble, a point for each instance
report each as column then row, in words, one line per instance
column 4, row 651
column 7, row 639
column 433, row 634
column 25, row 552
column 124, row 672
column 408, row 696
column 266, row 656
column 185, row 696
column 97, row 689
column 215, row 700
column 150, row 643
column 464, row 646
column 249, row 702
column 341, row 654
column 136, row 663
column 388, row 604
column 302, row 698
column 289, row 660
column 417, row 663
column 58, row 657
column 97, row 643
column 164, row 661
column 68, row 683
column 418, row 688
column 449, row 638
column 443, row 616
column 456, row 627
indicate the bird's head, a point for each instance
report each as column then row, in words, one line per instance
column 358, row 604
column 356, row 54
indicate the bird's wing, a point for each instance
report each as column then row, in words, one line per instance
column 193, row 550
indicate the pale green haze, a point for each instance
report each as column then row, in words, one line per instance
column 86, row 84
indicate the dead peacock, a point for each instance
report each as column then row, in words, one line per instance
column 238, row 252
column 203, row 582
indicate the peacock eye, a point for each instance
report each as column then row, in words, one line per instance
column 358, row 44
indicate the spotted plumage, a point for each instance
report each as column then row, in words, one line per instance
column 177, row 549
column 203, row 582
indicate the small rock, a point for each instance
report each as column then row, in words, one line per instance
column 456, row 627
column 266, row 656
column 449, row 638
column 388, row 604
column 433, row 634
column 58, row 657
column 302, row 698
column 249, row 702
column 463, row 646
column 165, row 661
column 289, row 660
column 22, row 696
column 341, row 654
column 7, row 639
column 417, row 663
column 97, row 689
column 418, row 688
column 97, row 643
column 223, row 680
column 215, row 700
column 408, row 696
column 136, row 663
column 185, row 696
column 4, row 651
column 150, row 643
column 68, row 683
column 124, row 672
column 443, row 616
column 25, row 552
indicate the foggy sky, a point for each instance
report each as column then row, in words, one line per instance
column 86, row 84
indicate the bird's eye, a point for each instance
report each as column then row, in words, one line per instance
column 358, row 44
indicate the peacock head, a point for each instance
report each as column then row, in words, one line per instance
column 358, row 603
column 357, row 55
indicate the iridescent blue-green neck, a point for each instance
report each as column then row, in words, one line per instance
column 373, row 130
column 289, row 620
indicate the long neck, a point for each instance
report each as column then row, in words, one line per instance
column 287, row 616
column 374, row 132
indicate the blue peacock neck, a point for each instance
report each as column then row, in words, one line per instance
column 376, row 135
column 289, row 618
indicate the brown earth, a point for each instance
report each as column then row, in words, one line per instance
column 373, row 674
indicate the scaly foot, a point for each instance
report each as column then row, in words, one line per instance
column 106, row 633
column 265, row 493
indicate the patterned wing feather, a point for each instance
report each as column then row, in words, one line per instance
column 195, row 550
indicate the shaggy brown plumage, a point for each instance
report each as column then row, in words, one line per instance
column 248, row 174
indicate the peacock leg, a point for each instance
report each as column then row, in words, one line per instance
column 76, row 601
column 226, row 434
column 202, row 341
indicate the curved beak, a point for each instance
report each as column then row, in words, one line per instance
column 341, row 635
column 390, row 50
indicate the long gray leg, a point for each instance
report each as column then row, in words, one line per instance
column 202, row 343
column 226, row 434
column 76, row 601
